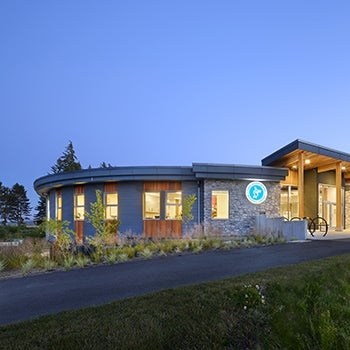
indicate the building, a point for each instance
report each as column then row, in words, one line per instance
column 318, row 182
column 299, row 180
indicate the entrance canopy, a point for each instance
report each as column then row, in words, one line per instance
column 315, row 156
column 299, row 156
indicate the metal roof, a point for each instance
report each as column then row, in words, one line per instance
column 195, row 172
column 238, row 172
column 317, row 156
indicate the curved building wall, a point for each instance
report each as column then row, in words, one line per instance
column 77, row 190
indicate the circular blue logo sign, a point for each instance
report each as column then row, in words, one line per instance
column 256, row 192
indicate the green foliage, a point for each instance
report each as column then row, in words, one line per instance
column 306, row 306
column 2, row 265
column 187, row 204
column 82, row 260
column 122, row 257
column 49, row 264
column 28, row 266
column 68, row 262
column 96, row 216
column 19, row 204
column 146, row 253
column 14, row 204
column 105, row 231
column 112, row 256
column 67, row 162
column 40, row 214
column 62, row 236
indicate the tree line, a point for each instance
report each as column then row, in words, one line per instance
column 14, row 204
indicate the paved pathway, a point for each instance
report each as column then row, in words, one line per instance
column 32, row 296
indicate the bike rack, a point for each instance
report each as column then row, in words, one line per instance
column 316, row 224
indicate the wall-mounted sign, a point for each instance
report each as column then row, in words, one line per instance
column 256, row 192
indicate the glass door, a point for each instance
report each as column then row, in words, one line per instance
column 289, row 202
column 328, row 205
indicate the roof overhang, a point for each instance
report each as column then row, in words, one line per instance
column 238, row 172
column 139, row 173
column 315, row 156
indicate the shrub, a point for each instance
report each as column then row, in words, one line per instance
column 49, row 264
column 146, row 253
column 122, row 257
column 68, row 262
column 82, row 260
column 112, row 256
column 2, row 265
column 28, row 266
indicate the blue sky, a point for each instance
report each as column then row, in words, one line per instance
column 169, row 82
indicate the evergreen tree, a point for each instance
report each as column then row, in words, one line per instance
column 105, row 165
column 40, row 214
column 19, row 204
column 67, row 162
column 5, row 208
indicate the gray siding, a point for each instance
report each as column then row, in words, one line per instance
column 52, row 200
column 130, row 207
column 68, row 205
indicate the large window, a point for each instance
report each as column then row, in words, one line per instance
column 289, row 202
column 79, row 206
column 219, row 201
column 111, row 203
column 58, row 205
column 151, row 205
column 48, row 216
column 173, row 208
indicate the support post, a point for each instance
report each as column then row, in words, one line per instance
column 301, row 184
column 338, row 181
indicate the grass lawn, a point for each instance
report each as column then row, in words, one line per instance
column 305, row 306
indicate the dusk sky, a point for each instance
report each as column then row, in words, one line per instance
column 142, row 82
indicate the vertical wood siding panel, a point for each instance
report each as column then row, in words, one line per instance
column 162, row 228
column 79, row 224
column 79, row 230
column 162, row 186
column 110, row 187
column 79, row 189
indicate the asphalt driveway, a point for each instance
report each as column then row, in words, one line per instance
column 33, row 296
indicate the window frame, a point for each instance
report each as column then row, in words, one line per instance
column 176, row 205
column 59, row 206
column 77, row 207
column 144, row 215
column 108, row 207
column 215, row 217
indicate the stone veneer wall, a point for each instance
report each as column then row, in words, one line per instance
column 242, row 213
column 347, row 207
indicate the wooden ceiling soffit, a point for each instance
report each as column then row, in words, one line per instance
column 324, row 168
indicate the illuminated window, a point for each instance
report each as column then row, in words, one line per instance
column 289, row 202
column 111, row 203
column 219, row 205
column 151, row 205
column 58, row 206
column 173, row 206
column 48, row 208
column 79, row 206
